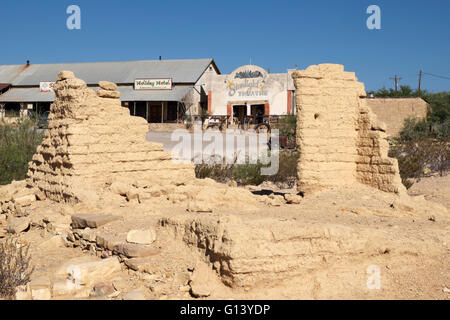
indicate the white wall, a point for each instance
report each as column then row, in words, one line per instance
column 274, row 91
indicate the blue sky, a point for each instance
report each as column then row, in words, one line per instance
column 274, row 34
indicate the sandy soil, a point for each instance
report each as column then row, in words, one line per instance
column 406, row 273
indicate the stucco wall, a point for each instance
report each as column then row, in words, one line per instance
column 394, row 111
column 276, row 85
column 339, row 139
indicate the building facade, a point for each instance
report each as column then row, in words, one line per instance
column 157, row 90
column 251, row 91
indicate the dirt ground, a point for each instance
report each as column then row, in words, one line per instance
column 414, row 265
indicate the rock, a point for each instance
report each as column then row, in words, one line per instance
column 200, row 291
column 40, row 195
column 81, row 221
column 63, row 75
column 292, row 198
column 107, row 241
column 140, row 264
column 131, row 250
column 24, row 201
column 111, row 86
column 199, row 206
column 135, row 295
column 17, row 225
column 108, row 94
column 200, row 281
column 132, row 194
column 273, row 200
column 102, row 289
column 141, row 236
column 88, row 273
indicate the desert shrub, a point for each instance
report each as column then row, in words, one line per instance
column 416, row 158
column 250, row 173
column 18, row 143
column 220, row 172
column 15, row 269
column 287, row 126
column 286, row 175
column 414, row 129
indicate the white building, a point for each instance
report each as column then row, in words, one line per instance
column 250, row 90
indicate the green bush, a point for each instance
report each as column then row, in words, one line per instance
column 416, row 158
column 414, row 129
column 250, row 173
column 287, row 127
column 18, row 143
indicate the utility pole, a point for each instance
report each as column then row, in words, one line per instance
column 396, row 79
column 420, row 79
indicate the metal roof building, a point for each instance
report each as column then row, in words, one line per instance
column 21, row 86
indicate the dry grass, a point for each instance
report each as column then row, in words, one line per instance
column 15, row 269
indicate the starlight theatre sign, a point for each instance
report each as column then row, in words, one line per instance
column 153, row 84
column 247, row 83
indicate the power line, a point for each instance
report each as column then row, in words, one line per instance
column 435, row 75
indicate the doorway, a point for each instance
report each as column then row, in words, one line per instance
column 239, row 113
column 257, row 111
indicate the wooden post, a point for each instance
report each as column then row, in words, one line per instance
column 420, row 79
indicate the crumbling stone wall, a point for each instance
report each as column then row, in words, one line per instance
column 91, row 139
column 339, row 139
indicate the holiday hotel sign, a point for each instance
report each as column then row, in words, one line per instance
column 153, row 84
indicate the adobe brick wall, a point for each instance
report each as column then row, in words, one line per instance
column 394, row 111
column 92, row 139
column 339, row 139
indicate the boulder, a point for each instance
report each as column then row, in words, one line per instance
column 107, row 241
column 140, row 264
column 25, row 200
column 81, row 221
column 292, row 198
column 108, row 94
column 102, row 289
column 131, row 250
column 106, row 85
column 17, row 225
column 89, row 273
column 141, row 236
column 63, row 75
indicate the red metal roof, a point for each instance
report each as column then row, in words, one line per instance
column 4, row 85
